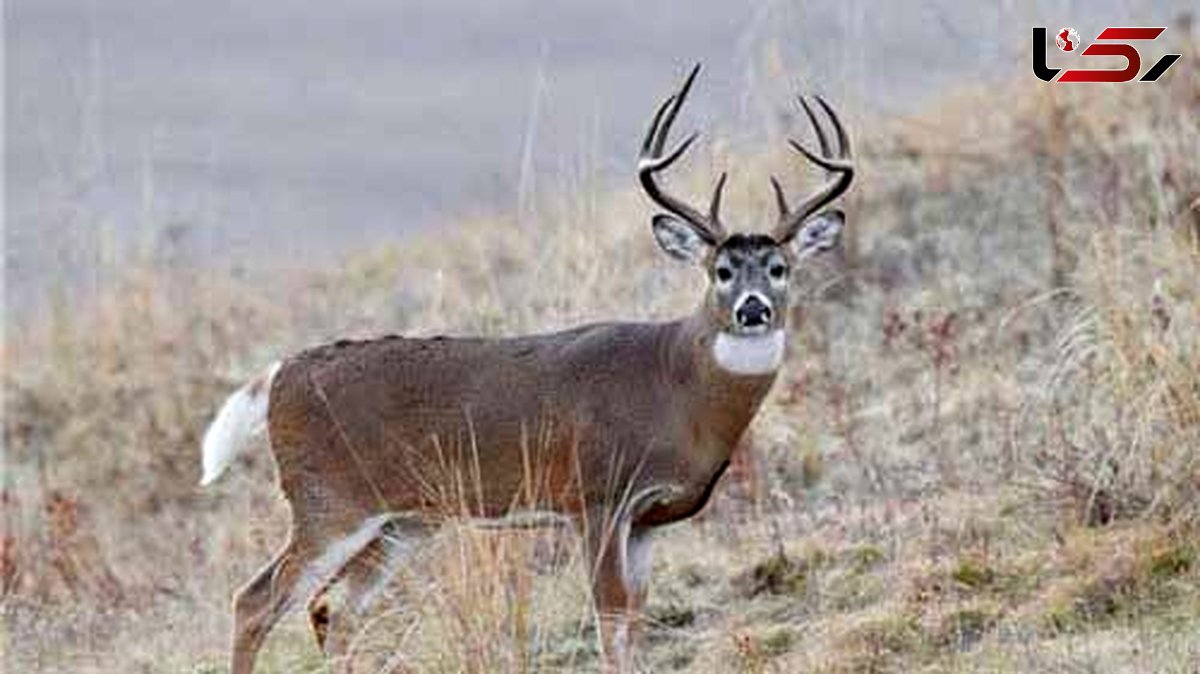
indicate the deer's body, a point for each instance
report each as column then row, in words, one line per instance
column 387, row 425
column 617, row 428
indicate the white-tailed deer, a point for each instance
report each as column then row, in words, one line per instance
column 616, row 427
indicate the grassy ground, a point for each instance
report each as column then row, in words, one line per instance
column 981, row 456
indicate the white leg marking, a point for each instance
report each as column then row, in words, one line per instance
column 634, row 556
column 638, row 561
column 620, row 640
column 335, row 556
column 398, row 548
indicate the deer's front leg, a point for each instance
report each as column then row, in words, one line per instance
column 618, row 557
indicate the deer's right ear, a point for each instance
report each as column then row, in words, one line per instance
column 820, row 233
column 679, row 239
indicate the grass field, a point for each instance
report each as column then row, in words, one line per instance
column 982, row 454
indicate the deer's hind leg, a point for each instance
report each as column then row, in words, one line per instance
column 304, row 564
column 362, row 581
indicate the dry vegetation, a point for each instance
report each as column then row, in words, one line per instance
column 982, row 455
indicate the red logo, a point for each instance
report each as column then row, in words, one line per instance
column 1110, row 42
column 1067, row 39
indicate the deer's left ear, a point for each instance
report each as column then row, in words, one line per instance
column 820, row 233
column 678, row 239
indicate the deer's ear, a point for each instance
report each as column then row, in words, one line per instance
column 678, row 239
column 820, row 233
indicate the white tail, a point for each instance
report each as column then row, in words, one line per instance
column 243, row 416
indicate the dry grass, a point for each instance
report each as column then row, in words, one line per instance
column 982, row 455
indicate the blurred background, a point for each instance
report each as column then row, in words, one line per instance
column 980, row 456
column 283, row 132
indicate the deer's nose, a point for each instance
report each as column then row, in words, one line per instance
column 753, row 312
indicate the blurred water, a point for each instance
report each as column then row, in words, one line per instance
column 276, row 132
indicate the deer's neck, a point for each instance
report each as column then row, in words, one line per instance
column 733, row 375
column 720, row 405
column 747, row 355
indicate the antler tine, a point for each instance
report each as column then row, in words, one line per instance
column 673, row 109
column 843, row 139
column 812, row 118
column 819, row 160
column 660, row 163
column 714, row 206
column 839, row 167
column 780, row 199
column 652, row 132
column 826, row 160
column 651, row 160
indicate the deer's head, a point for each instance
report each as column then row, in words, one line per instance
column 748, row 274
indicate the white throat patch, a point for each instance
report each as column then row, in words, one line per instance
column 749, row 354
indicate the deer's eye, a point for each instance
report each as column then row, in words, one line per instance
column 777, row 271
column 724, row 274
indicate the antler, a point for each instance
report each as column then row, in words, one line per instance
column 651, row 160
column 840, row 169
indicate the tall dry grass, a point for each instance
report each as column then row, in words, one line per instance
column 981, row 455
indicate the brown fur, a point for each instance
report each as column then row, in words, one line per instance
column 579, row 422
column 392, row 424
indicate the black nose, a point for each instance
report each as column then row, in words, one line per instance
column 753, row 312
